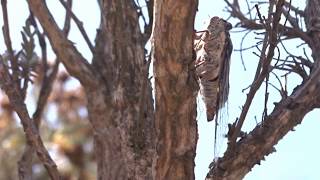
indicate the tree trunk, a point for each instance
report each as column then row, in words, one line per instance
column 175, row 88
column 119, row 97
column 121, row 106
column 134, row 141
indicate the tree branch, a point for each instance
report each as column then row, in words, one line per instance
column 26, row 160
column 32, row 134
column 251, row 24
column 295, row 9
column 252, row 148
column 74, row 62
column 6, row 34
column 79, row 25
column 272, row 38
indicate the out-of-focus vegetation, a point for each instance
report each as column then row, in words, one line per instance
column 64, row 129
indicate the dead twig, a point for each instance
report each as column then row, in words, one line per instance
column 295, row 9
column 271, row 40
column 288, row 32
column 79, row 24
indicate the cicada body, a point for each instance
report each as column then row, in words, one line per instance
column 213, row 49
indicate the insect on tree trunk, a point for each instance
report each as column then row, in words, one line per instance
column 134, row 140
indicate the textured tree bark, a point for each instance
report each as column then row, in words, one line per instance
column 118, row 91
column 121, row 106
column 119, row 94
column 175, row 89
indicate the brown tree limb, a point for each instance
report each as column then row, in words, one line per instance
column 32, row 134
column 288, row 32
column 272, row 38
column 26, row 160
column 79, row 25
column 72, row 59
column 289, row 112
column 295, row 9
column 252, row 148
column 6, row 34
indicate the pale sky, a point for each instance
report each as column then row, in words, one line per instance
column 297, row 154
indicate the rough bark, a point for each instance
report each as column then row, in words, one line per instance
column 118, row 91
column 119, row 94
column 175, row 89
column 121, row 107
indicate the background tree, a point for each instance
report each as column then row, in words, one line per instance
column 135, row 137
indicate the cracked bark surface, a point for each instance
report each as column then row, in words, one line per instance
column 175, row 89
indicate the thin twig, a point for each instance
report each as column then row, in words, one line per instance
column 67, row 19
column 286, row 19
column 148, row 28
column 283, row 91
column 79, row 25
column 69, row 55
column 249, row 9
column 266, row 60
column 266, row 98
column 25, row 162
column 295, row 9
column 31, row 132
column 48, row 79
column 241, row 47
column 289, row 32
column 7, row 39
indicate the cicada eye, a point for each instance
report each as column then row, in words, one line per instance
column 228, row 26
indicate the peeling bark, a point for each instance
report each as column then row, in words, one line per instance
column 175, row 89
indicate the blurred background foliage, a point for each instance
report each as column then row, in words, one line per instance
column 64, row 129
